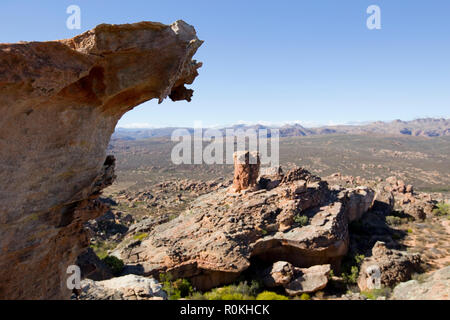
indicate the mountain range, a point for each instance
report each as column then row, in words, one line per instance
column 425, row 127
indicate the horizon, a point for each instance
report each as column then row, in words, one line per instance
column 144, row 126
column 314, row 61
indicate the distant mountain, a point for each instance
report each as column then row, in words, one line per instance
column 426, row 127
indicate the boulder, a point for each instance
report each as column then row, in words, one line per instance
column 357, row 202
column 386, row 267
column 129, row 287
column 279, row 274
column 308, row 280
column 433, row 286
column 384, row 201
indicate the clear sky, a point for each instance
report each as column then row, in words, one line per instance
column 313, row 61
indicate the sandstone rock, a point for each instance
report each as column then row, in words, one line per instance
column 434, row 286
column 246, row 170
column 309, row 280
column 214, row 240
column 129, row 287
column 386, row 267
column 60, row 102
column 416, row 205
column 357, row 202
column 279, row 274
column 270, row 177
column 384, row 201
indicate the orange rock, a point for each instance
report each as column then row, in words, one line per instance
column 60, row 102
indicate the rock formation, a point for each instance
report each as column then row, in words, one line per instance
column 246, row 170
column 60, row 102
column 129, row 287
column 433, row 286
column 296, row 280
column 301, row 221
column 386, row 267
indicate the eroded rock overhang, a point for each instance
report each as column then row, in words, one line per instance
column 60, row 102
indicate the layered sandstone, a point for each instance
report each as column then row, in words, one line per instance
column 60, row 102
column 301, row 221
column 246, row 170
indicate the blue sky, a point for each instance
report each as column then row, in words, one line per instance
column 311, row 61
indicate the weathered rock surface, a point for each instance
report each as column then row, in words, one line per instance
column 279, row 274
column 129, row 287
column 395, row 194
column 308, row 280
column 60, row 102
column 296, row 280
column 392, row 194
column 434, row 286
column 387, row 267
column 246, row 170
column 213, row 241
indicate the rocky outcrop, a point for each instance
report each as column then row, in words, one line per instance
column 386, row 268
column 301, row 221
column 393, row 194
column 434, row 286
column 296, row 280
column 308, row 280
column 60, row 102
column 246, row 170
column 279, row 274
column 129, row 287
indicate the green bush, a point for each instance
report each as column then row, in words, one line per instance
column 176, row 289
column 241, row 291
column 115, row 264
column 351, row 267
column 305, row 296
column 442, row 209
column 301, row 220
column 140, row 236
column 375, row 293
column 393, row 220
column 101, row 248
column 197, row 296
column 352, row 276
column 269, row 295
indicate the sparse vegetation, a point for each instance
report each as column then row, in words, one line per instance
column 351, row 267
column 442, row 209
column 140, row 236
column 176, row 289
column 305, row 296
column 301, row 220
column 241, row 291
column 393, row 220
column 101, row 248
column 376, row 293
column 115, row 264
column 269, row 295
